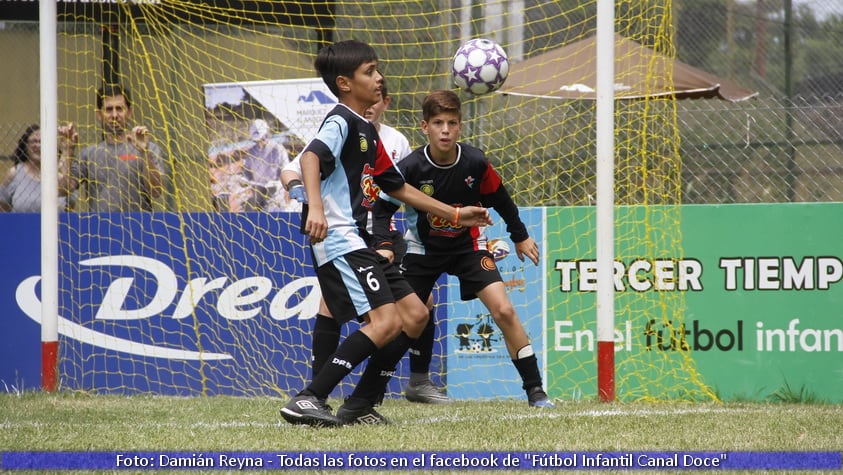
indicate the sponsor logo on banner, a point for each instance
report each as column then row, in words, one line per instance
column 172, row 316
column 226, row 298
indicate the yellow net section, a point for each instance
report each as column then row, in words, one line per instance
column 212, row 292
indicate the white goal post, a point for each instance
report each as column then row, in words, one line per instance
column 49, row 194
column 605, row 199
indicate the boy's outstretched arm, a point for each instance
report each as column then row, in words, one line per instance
column 465, row 216
column 496, row 196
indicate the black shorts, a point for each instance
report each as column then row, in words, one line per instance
column 475, row 270
column 399, row 247
column 359, row 281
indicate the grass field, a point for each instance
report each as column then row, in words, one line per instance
column 84, row 422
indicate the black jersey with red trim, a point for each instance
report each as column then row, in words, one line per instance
column 354, row 167
column 469, row 181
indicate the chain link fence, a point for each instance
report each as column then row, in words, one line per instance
column 766, row 150
column 786, row 144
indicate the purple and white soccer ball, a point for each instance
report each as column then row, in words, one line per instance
column 480, row 66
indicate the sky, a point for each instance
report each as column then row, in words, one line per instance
column 822, row 8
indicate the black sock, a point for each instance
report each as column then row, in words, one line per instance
column 528, row 368
column 326, row 338
column 381, row 367
column 421, row 349
column 353, row 350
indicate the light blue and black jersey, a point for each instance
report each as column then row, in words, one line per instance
column 353, row 167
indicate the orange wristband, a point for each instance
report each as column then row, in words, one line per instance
column 456, row 216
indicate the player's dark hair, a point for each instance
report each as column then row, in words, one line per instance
column 21, row 153
column 342, row 59
column 437, row 102
column 110, row 90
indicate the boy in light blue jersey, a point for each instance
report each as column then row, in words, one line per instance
column 344, row 169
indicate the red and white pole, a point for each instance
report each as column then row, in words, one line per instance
column 605, row 128
column 49, row 195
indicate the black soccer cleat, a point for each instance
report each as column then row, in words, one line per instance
column 309, row 410
column 536, row 397
column 365, row 414
column 425, row 392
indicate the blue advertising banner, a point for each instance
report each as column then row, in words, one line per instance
column 187, row 304
column 223, row 303
column 20, row 337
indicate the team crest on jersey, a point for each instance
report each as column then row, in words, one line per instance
column 427, row 189
column 364, row 144
column 369, row 187
column 469, row 181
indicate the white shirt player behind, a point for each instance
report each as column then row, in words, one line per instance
column 395, row 143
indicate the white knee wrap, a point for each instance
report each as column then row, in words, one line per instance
column 525, row 352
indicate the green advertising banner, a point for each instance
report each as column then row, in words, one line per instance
column 732, row 302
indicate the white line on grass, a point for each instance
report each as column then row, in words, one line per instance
column 559, row 412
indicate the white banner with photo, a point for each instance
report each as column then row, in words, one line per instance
column 255, row 128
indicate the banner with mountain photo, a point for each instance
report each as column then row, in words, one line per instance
column 254, row 129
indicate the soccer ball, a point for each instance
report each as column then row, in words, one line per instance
column 480, row 66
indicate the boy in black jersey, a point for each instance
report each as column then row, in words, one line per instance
column 344, row 168
column 461, row 175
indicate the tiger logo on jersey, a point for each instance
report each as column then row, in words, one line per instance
column 371, row 190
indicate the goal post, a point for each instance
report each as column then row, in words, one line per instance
column 213, row 292
column 49, row 195
column 605, row 188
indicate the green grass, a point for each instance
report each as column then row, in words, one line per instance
column 788, row 393
column 85, row 422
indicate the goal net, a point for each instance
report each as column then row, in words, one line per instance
column 213, row 292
